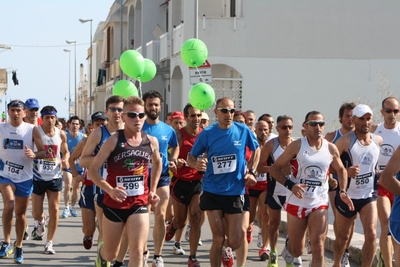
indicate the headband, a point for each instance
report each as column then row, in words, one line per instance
column 48, row 112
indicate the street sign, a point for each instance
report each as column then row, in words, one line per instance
column 201, row 74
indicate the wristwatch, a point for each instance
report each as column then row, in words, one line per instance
column 253, row 172
column 342, row 191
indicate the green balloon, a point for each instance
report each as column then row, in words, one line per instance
column 132, row 63
column 149, row 72
column 125, row 88
column 201, row 96
column 194, row 52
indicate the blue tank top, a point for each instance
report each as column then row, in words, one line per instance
column 72, row 143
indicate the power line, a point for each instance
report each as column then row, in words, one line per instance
column 44, row 46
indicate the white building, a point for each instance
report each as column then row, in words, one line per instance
column 278, row 57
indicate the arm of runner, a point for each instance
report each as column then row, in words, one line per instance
column 200, row 165
column 173, row 162
column 116, row 193
column 342, row 145
column 75, row 155
column 181, row 162
column 388, row 176
column 64, row 150
column 284, row 159
column 155, row 171
column 266, row 151
column 91, row 143
column 342, row 175
column 40, row 153
column 252, row 165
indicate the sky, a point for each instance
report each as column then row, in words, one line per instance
column 37, row 31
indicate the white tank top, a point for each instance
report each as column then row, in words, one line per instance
column 280, row 189
column 311, row 167
column 366, row 157
column 391, row 140
column 14, row 164
column 49, row 168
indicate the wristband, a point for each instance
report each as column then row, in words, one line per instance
column 342, row 191
column 289, row 184
column 175, row 161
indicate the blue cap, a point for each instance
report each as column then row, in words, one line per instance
column 32, row 103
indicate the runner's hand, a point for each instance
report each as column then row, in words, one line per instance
column 353, row 171
column 29, row 153
column 181, row 163
column 346, row 199
column 298, row 190
column 250, row 179
column 118, row 194
column 153, row 199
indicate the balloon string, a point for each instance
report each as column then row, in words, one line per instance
column 201, row 76
column 140, row 88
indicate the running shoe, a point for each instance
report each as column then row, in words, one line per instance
column 200, row 242
column 345, row 260
column 88, row 241
column 187, row 233
column 193, row 262
column 48, row 248
column 273, row 259
column 263, row 253
column 18, row 255
column 65, row 213
column 259, row 240
column 249, row 234
column 158, row 262
column 41, row 228
column 35, row 236
column 146, row 255
column 170, row 232
column 100, row 262
column 297, row 262
column 177, row 248
column 26, row 234
column 73, row 212
column 5, row 249
column 286, row 255
column 227, row 257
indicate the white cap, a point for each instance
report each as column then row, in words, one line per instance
column 204, row 116
column 361, row 109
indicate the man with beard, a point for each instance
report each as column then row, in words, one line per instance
column 186, row 185
column 361, row 149
column 166, row 138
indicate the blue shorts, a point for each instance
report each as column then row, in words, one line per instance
column 99, row 199
column 23, row 189
column 394, row 230
column 87, row 197
column 165, row 180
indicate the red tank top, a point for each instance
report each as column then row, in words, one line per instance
column 129, row 167
column 87, row 180
column 185, row 172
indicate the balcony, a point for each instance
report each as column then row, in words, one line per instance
column 164, row 47
column 177, row 39
column 153, row 51
column 139, row 49
column 114, row 70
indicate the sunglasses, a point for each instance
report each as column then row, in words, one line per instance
column 33, row 109
column 315, row 123
column 113, row 109
column 285, row 127
column 133, row 115
column 390, row 110
column 226, row 110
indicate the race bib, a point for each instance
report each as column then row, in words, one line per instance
column 105, row 173
column 313, row 189
column 364, row 181
column 134, row 185
column 261, row 177
column 47, row 167
column 224, row 164
column 13, row 170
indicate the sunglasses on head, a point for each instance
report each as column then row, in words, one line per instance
column 390, row 110
column 315, row 123
column 226, row 110
column 113, row 109
column 285, row 127
column 133, row 115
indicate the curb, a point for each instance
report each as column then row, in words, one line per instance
column 355, row 248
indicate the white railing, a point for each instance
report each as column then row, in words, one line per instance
column 139, row 49
column 164, row 47
column 153, row 51
column 177, row 39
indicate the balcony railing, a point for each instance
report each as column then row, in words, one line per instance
column 177, row 39
column 153, row 51
column 164, row 47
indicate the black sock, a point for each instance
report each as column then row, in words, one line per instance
column 346, row 250
column 156, row 256
column 117, row 264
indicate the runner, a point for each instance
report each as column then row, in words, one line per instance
column 360, row 149
column 186, row 186
column 307, row 197
column 47, row 177
column 16, row 153
column 166, row 138
column 128, row 154
column 225, row 178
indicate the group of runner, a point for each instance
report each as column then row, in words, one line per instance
column 235, row 170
